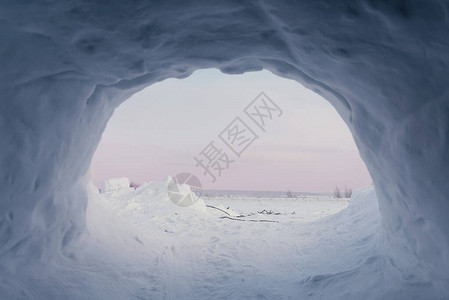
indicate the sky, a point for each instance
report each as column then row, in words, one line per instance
column 305, row 146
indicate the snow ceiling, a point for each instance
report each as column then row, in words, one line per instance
column 66, row 65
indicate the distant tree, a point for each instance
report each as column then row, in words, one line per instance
column 289, row 194
column 337, row 193
column 348, row 192
column 134, row 184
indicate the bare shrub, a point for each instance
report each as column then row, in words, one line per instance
column 348, row 192
column 134, row 184
column 289, row 194
column 337, row 193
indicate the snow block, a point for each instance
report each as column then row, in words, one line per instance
column 114, row 184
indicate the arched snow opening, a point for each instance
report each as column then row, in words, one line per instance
column 66, row 67
column 159, row 131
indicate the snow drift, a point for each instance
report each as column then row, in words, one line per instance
column 66, row 66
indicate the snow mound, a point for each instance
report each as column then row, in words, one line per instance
column 152, row 197
column 114, row 184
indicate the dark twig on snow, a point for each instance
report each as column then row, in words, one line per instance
column 245, row 220
column 210, row 206
column 240, row 216
column 268, row 212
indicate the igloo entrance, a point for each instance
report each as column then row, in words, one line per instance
column 383, row 66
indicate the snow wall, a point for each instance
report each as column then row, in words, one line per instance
column 66, row 65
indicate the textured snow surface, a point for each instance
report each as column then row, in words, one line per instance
column 67, row 65
column 112, row 184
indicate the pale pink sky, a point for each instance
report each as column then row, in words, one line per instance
column 158, row 132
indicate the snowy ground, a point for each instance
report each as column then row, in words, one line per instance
column 199, row 253
column 313, row 247
column 282, row 210
column 142, row 246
